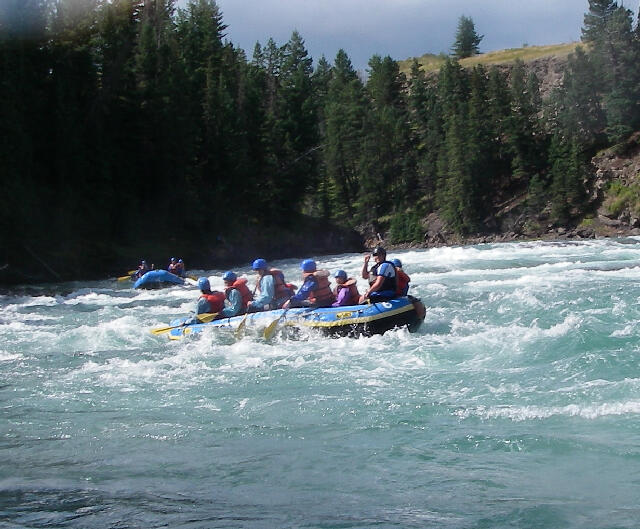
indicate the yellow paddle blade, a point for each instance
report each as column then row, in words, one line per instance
column 203, row 318
column 161, row 330
column 270, row 329
column 207, row 317
column 240, row 330
column 123, row 278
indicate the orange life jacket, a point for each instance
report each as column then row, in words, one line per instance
column 283, row 290
column 240, row 285
column 402, row 282
column 322, row 296
column 352, row 285
column 216, row 301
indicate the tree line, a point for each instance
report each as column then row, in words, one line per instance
column 124, row 117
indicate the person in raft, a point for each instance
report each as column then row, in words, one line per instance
column 179, row 268
column 271, row 290
column 346, row 291
column 209, row 301
column 142, row 270
column 237, row 293
column 382, row 277
column 402, row 279
column 173, row 264
column 315, row 290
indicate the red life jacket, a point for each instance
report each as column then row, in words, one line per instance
column 216, row 301
column 240, row 285
column 322, row 296
column 402, row 282
column 352, row 285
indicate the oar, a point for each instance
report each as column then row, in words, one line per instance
column 241, row 326
column 270, row 329
column 203, row 318
column 124, row 278
column 240, row 330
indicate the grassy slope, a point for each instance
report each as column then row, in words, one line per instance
column 432, row 62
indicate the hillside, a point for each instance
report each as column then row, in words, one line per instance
column 547, row 62
column 430, row 62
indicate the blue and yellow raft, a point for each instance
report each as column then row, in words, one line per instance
column 352, row 320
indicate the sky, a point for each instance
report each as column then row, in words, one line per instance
column 400, row 28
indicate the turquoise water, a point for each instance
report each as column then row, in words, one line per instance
column 515, row 405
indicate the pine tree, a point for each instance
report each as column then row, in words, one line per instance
column 522, row 133
column 467, row 40
column 622, row 97
column 24, row 126
column 595, row 20
column 386, row 173
column 499, row 109
column 426, row 125
column 345, row 113
column 480, row 147
column 574, row 109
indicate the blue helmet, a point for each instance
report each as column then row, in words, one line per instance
column 340, row 273
column 203, row 284
column 308, row 265
column 229, row 276
column 397, row 263
column 143, row 262
column 179, row 260
column 259, row 264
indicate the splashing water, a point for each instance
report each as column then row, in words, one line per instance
column 515, row 405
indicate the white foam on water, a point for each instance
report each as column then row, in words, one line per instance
column 6, row 356
column 528, row 413
column 628, row 330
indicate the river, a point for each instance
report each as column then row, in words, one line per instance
column 517, row 404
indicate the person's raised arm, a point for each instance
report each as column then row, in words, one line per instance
column 365, row 267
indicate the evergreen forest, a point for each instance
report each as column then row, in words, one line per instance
column 125, row 122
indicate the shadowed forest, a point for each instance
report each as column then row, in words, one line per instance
column 130, row 126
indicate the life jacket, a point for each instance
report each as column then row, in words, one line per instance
column 403, row 282
column 352, row 285
column 389, row 283
column 322, row 296
column 216, row 301
column 240, row 285
column 283, row 291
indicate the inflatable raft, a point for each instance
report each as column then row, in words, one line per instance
column 353, row 320
column 158, row 279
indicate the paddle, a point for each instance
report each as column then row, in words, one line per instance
column 203, row 318
column 124, row 278
column 270, row 329
column 241, row 326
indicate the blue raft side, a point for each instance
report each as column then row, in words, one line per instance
column 302, row 317
column 157, row 279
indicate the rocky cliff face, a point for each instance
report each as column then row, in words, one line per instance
column 617, row 185
column 549, row 70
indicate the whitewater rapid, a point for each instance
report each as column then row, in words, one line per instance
column 516, row 404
